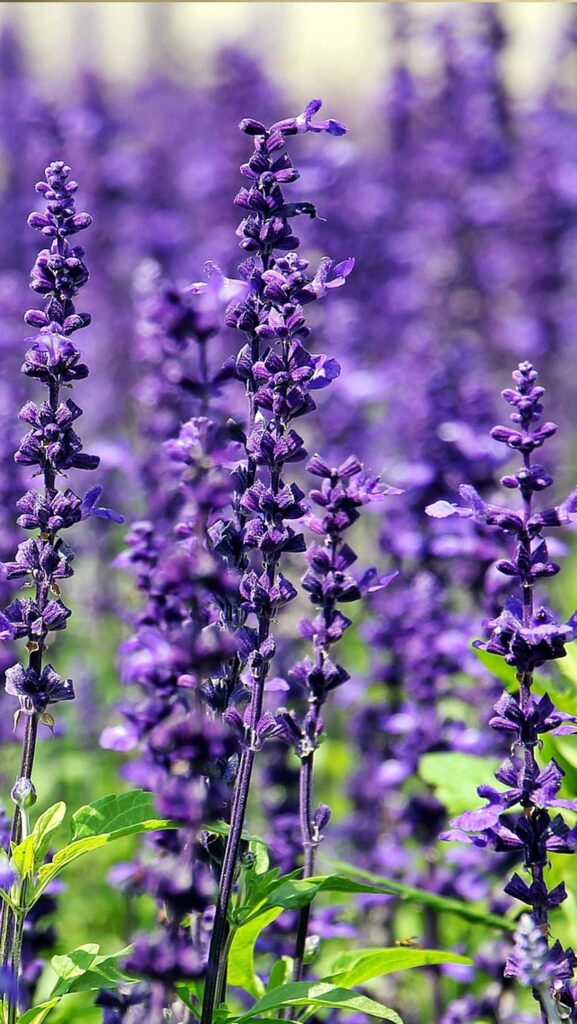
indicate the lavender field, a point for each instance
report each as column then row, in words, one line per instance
column 289, row 682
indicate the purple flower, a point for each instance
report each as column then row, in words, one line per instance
column 525, row 637
column 36, row 691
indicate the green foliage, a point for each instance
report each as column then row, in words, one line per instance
column 81, row 970
column 84, row 970
column 443, row 904
column 294, row 893
column 280, row 972
column 315, row 995
column 361, row 965
column 93, row 826
column 222, row 828
column 455, row 777
column 38, row 1014
column 118, row 815
column 241, row 970
column 498, row 668
column 44, row 828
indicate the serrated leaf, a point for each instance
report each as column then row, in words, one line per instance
column 71, row 965
column 83, row 970
column 317, row 994
column 75, row 963
column 38, row 1014
column 118, row 814
column 359, row 966
column 98, row 824
column 411, row 894
column 241, row 971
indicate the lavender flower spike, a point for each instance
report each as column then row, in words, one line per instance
column 337, row 502
column 280, row 377
column 526, row 637
column 52, row 447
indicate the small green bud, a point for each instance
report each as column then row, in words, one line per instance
column 24, row 794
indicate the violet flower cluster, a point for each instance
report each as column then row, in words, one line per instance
column 344, row 490
column 279, row 375
column 526, row 637
column 53, row 447
column 187, row 757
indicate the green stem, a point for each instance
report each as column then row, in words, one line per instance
column 12, row 1009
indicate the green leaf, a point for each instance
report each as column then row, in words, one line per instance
column 45, row 825
column 411, row 894
column 360, row 966
column 4, row 896
column 83, row 970
column 260, row 853
column 190, row 993
column 498, row 667
column 567, row 748
column 280, row 972
column 294, row 893
column 22, row 858
column 455, row 777
column 121, row 814
column 38, row 1014
column 71, row 965
column 316, row 994
column 98, row 824
column 241, row 971
column 568, row 665
column 222, row 828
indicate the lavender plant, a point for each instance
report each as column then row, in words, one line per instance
column 526, row 637
column 53, row 446
column 278, row 381
column 43, row 562
column 344, row 490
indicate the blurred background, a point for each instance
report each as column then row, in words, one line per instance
column 339, row 49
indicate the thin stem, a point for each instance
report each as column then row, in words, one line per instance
column 217, row 951
column 310, row 844
column 309, row 834
column 16, row 955
column 26, row 766
column 7, row 924
column 35, row 662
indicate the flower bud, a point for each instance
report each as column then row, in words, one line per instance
column 23, row 794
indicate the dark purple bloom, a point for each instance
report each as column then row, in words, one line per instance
column 525, row 637
column 35, row 691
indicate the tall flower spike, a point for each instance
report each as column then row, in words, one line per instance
column 52, row 446
column 337, row 504
column 526, row 637
column 280, row 377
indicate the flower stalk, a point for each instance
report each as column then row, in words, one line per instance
column 52, row 446
column 345, row 489
column 526, row 638
column 279, row 374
